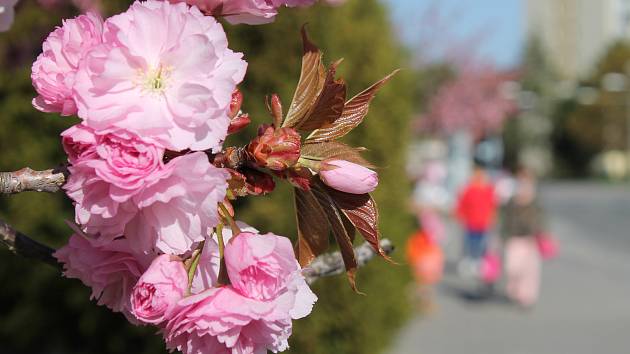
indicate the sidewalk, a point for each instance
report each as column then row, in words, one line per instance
column 584, row 306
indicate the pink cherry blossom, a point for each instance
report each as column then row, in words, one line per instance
column 79, row 142
column 6, row 14
column 221, row 320
column 181, row 208
column 121, row 186
column 158, row 289
column 55, row 69
column 348, row 177
column 110, row 270
column 107, row 170
column 208, row 269
column 244, row 317
column 258, row 265
column 253, row 12
column 163, row 71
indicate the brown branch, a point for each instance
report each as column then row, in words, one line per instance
column 332, row 263
column 52, row 180
column 323, row 266
column 233, row 157
column 24, row 246
column 28, row 179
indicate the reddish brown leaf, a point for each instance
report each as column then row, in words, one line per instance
column 335, row 218
column 299, row 177
column 312, row 227
column 307, row 45
column 334, row 150
column 350, row 229
column 310, row 85
column 362, row 212
column 353, row 114
column 329, row 105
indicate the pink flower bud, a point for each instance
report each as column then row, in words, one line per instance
column 348, row 177
column 159, row 288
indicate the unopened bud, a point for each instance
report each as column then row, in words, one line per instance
column 239, row 123
column 276, row 149
column 275, row 108
column 235, row 103
column 348, row 177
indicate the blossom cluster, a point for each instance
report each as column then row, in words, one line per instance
column 143, row 87
column 198, row 315
column 474, row 100
column 153, row 88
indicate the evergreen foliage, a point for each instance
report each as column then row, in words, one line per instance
column 43, row 313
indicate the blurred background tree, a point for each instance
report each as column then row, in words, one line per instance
column 527, row 136
column 43, row 313
column 595, row 120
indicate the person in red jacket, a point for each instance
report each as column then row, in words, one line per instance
column 476, row 210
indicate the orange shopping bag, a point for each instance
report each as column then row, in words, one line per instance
column 425, row 257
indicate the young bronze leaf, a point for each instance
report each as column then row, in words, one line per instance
column 339, row 231
column 353, row 114
column 310, row 85
column 329, row 105
column 313, row 227
column 361, row 210
column 335, row 150
column 350, row 229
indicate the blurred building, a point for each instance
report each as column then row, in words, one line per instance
column 575, row 33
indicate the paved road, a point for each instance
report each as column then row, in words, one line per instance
column 585, row 300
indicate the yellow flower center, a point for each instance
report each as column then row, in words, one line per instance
column 155, row 80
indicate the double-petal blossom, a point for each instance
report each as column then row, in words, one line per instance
column 163, row 71
column 121, row 186
column 252, row 315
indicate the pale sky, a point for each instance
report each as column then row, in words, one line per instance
column 500, row 21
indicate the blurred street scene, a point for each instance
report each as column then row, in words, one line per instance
column 521, row 166
column 583, row 305
column 502, row 148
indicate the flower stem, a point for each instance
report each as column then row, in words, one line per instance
column 220, row 240
column 314, row 163
column 230, row 220
column 195, row 262
column 223, row 278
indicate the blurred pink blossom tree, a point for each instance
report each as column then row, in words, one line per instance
column 475, row 100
